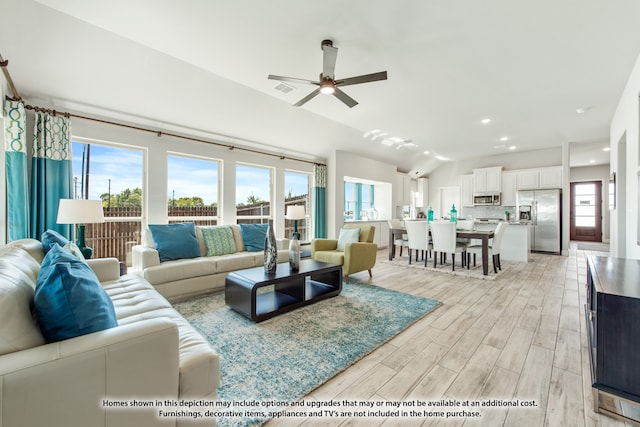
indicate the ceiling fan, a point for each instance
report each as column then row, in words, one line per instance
column 328, row 84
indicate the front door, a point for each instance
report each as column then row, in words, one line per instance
column 586, row 211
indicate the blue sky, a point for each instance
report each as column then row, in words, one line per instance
column 188, row 177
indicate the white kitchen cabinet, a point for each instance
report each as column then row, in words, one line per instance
column 402, row 190
column 509, row 188
column 551, row 177
column 466, row 190
column 422, row 199
column 487, row 180
column 533, row 179
column 528, row 179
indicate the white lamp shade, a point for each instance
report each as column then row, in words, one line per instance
column 79, row 211
column 295, row 212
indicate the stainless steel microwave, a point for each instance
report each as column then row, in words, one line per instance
column 486, row 199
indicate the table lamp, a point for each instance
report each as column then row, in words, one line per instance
column 295, row 212
column 80, row 212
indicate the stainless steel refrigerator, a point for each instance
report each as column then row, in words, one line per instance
column 543, row 209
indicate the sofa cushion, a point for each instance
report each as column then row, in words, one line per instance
column 50, row 238
column 348, row 235
column 74, row 250
column 237, row 237
column 219, row 240
column 253, row 236
column 175, row 241
column 175, row 270
column 69, row 299
column 18, row 328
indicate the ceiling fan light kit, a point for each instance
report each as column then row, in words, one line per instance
column 327, row 84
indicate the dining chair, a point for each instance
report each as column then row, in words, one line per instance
column 443, row 234
column 494, row 248
column 396, row 224
column 418, row 238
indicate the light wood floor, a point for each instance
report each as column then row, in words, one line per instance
column 521, row 336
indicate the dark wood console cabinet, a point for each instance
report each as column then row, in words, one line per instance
column 613, row 328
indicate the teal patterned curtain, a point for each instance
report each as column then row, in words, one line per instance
column 15, row 147
column 51, row 173
column 320, row 202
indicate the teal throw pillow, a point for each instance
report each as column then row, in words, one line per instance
column 69, row 300
column 50, row 238
column 253, row 236
column 348, row 235
column 219, row 240
column 175, row 241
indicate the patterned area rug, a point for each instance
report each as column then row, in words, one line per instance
column 474, row 272
column 288, row 356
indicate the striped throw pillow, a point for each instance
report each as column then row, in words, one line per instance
column 219, row 240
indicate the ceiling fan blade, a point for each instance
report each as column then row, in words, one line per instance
column 345, row 98
column 329, row 55
column 382, row 75
column 292, row 80
column 307, row 98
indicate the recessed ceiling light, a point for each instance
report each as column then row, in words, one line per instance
column 426, row 152
column 582, row 110
column 606, row 149
column 592, row 161
column 485, row 121
column 443, row 158
column 513, row 147
column 504, row 138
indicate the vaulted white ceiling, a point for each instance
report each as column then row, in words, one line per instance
column 203, row 64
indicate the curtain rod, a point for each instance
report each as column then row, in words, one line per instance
column 16, row 97
column 5, row 70
column 162, row 133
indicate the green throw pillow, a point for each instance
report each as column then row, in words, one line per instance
column 348, row 235
column 219, row 240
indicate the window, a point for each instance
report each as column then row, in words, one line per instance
column 358, row 200
column 297, row 187
column 349, row 200
column 253, row 194
column 113, row 174
column 193, row 189
column 585, row 199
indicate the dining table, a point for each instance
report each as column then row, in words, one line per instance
column 483, row 235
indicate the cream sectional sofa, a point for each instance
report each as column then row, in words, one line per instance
column 186, row 277
column 153, row 354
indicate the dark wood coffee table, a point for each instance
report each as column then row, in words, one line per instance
column 259, row 296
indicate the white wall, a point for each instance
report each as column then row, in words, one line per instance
column 625, row 143
column 596, row 173
column 343, row 164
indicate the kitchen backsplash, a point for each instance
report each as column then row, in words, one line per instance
column 488, row 211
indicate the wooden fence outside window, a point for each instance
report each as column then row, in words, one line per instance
column 117, row 236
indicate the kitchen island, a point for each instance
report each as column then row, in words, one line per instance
column 516, row 240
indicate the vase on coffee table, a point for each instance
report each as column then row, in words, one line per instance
column 270, row 250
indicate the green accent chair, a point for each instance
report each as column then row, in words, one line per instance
column 357, row 256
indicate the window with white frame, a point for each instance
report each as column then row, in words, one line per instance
column 253, row 193
column 113, row 174
column 297, row 188
column 193, row 188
